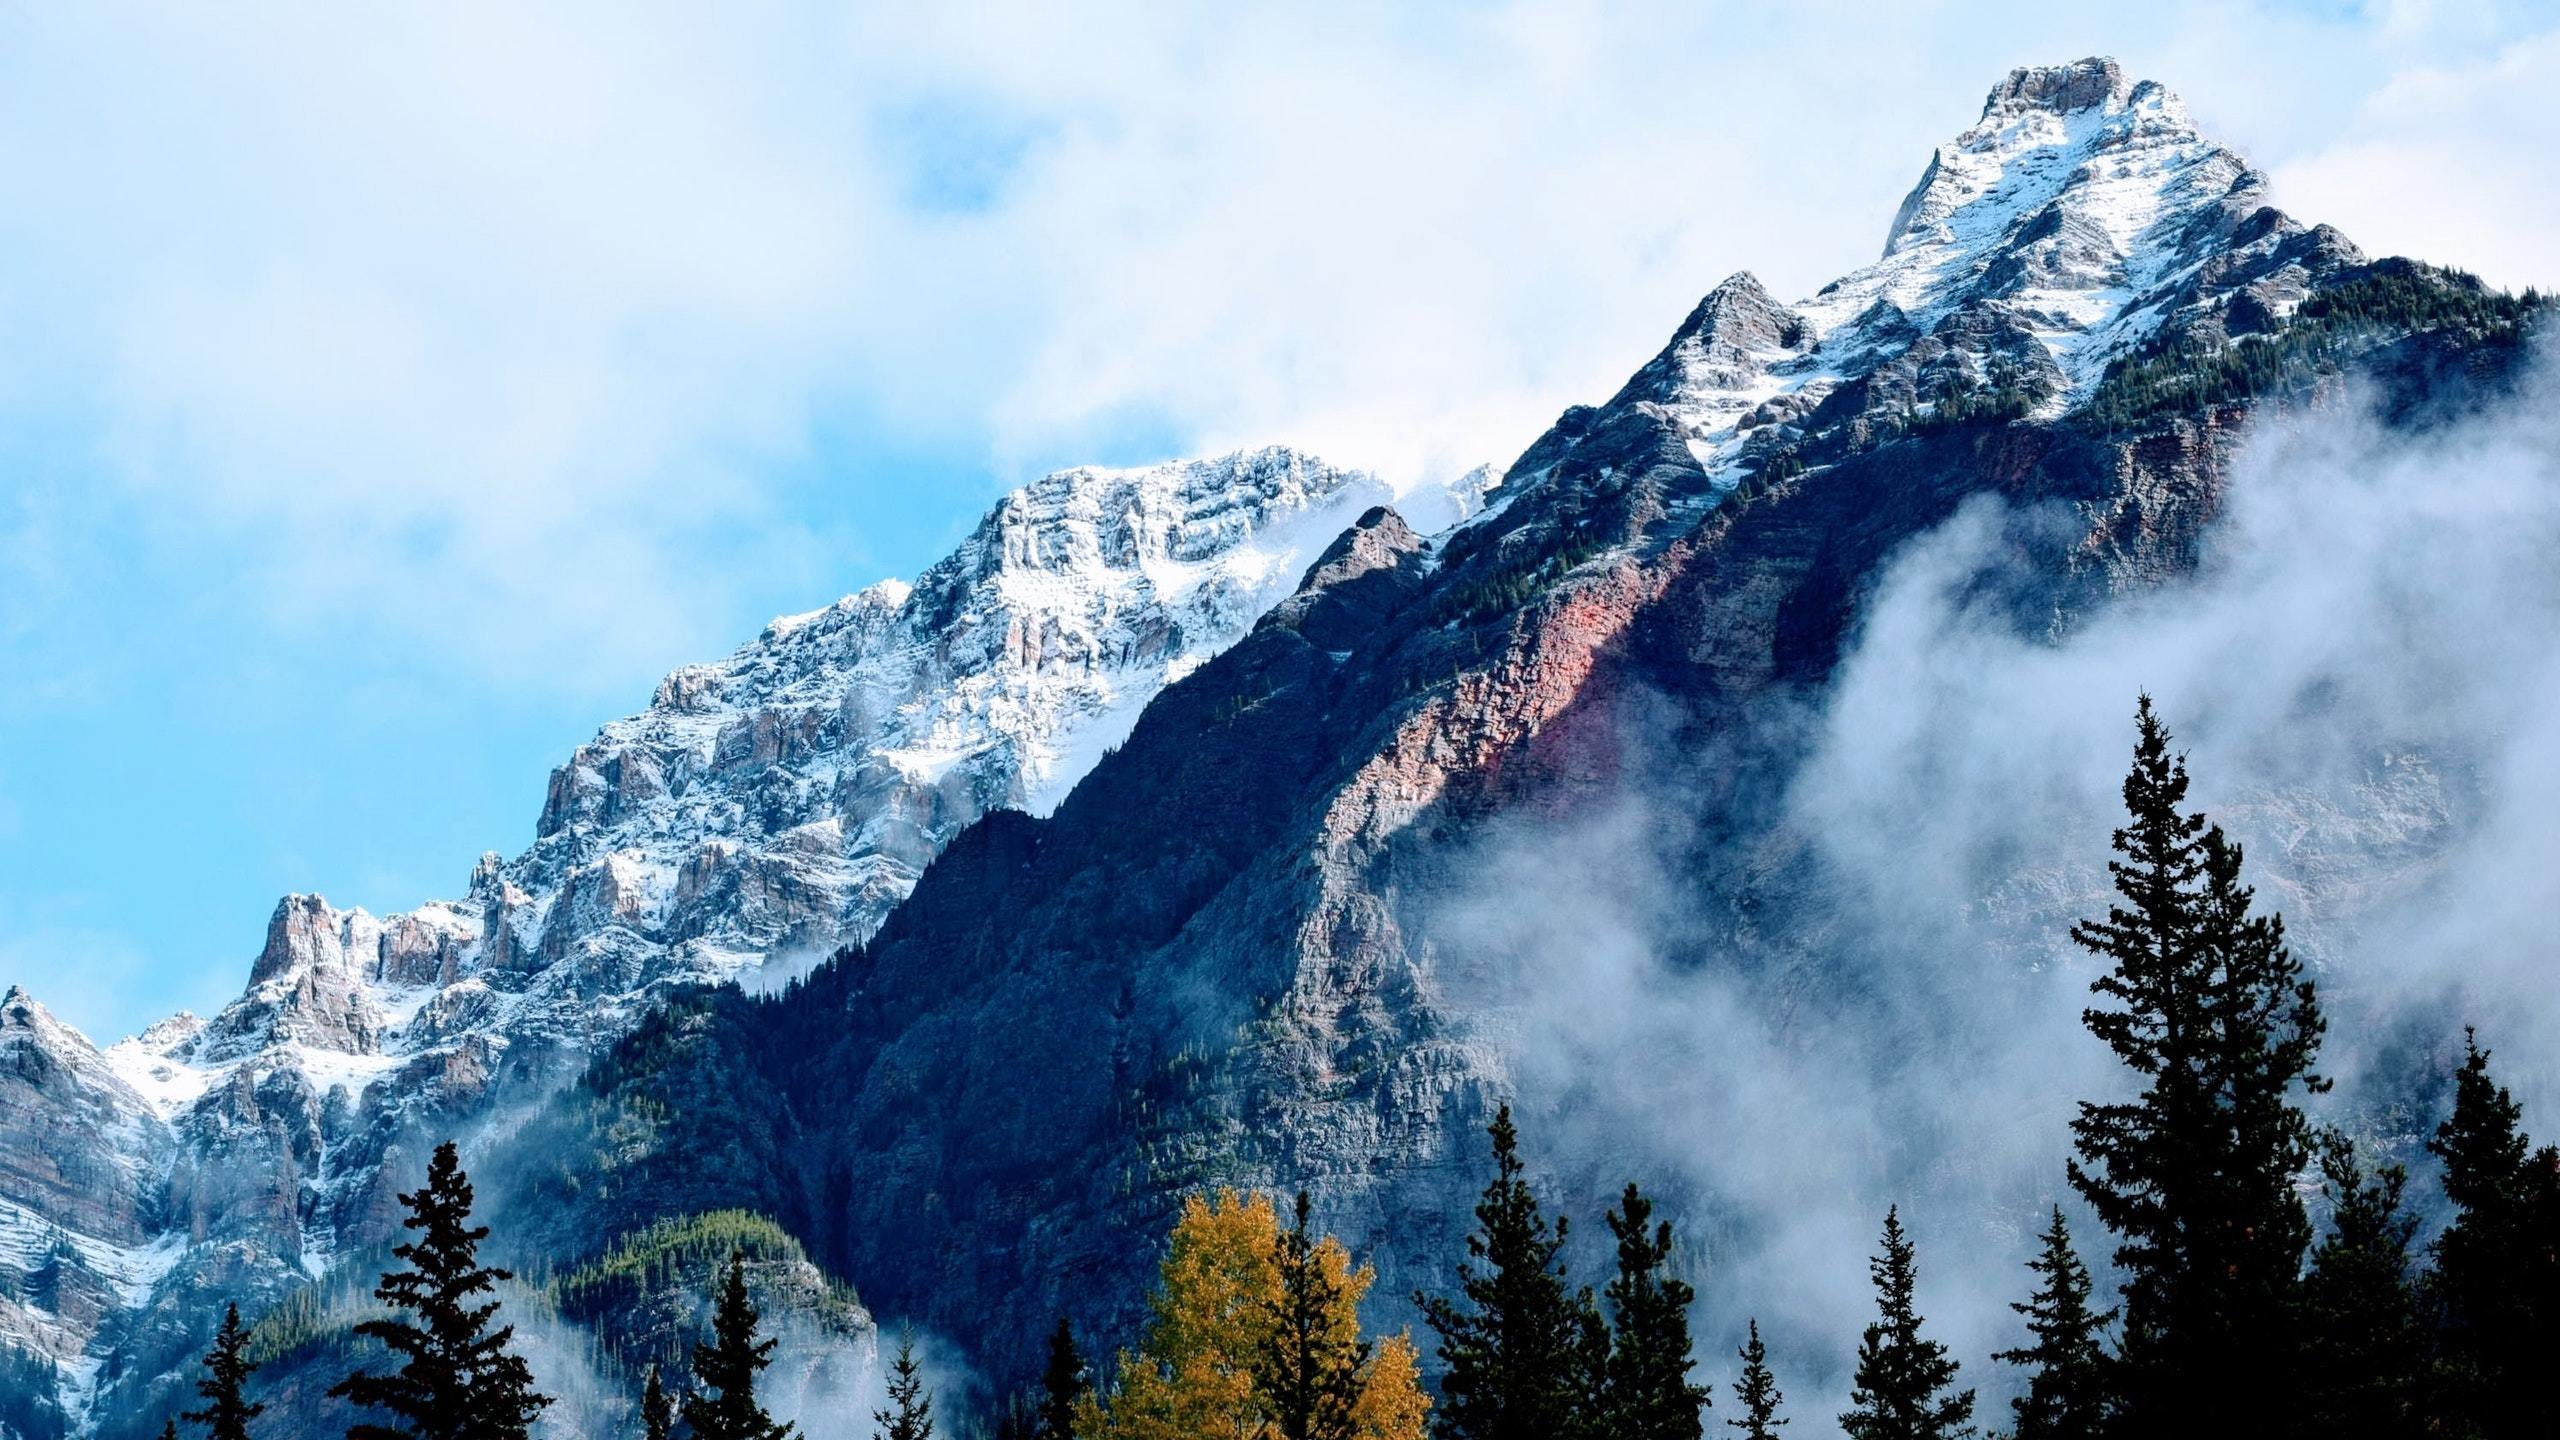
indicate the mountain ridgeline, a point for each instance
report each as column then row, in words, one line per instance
column 1147, row 841
column 1215, row 963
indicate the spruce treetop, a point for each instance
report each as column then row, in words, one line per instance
column 723, row 1405
column 1756, row 1391
column 459, row 1377
column 1904, row 1381
column 226, row 1414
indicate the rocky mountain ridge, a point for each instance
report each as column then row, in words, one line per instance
column 982, row 1114
column 762, row 810
column 1256, row 996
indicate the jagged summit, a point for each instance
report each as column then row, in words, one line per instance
column 2082, row 215
column 770, row 804
column 767, row 806
column 2060, row 89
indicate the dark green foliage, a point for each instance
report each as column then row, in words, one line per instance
column 723, row 1405
column 673, row 1119
column 1310, row 1370
column 657, row 1412
column 623, row 1295
column 458, row 1380
column 2006, row 394
column 2364, row 1352
column 226, row 1414
column 2329, row 330
column 169, row 1430
column 2066, row 1397
column 909, row 1415
column 1756, row 1391
column 2195, row 1174
column 1904, row 1386
column 1515, row 1340
column 43, row 1285
column 27, row 1410
column 2497, row 1282
column 1781, row 466
column 1649, row 1395
column 1516, row 575
column 1017, row 1419
column 1061, row 1381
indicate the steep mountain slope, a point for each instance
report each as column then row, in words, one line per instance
column 1159, row 793
column 984, row 1115
column 763, row 809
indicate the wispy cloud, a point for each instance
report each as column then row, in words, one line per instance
column 2364, row 671
column 494, row 330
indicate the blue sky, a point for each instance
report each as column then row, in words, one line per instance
column 388, row 399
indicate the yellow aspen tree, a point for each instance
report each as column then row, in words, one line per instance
column 1191, row 1378
column 1196, row 1373
column 1392, row 1405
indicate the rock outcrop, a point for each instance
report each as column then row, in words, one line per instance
column 1128, row 826
column 1218, row 962
column 763, row 810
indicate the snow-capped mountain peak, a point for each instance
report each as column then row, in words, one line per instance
column 764, row 808
column 2081, row 215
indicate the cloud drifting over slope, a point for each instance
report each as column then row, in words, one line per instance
column 2366, row 673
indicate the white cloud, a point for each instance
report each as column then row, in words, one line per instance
column 2363, row 668
column 2451, row 162
column 480, row 334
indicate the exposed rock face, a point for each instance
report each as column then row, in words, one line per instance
column 765, row 808
column 1141, row 803
column 985, row 1114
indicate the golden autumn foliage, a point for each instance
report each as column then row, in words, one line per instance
column 1194, row 1377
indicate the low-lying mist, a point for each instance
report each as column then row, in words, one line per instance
column 826, row 1384
column 1879, row 1002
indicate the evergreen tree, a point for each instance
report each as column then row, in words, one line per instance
column 723, row 1405
column 657, row 1412
column 458, row 1378
column 2067, row 1390
column 226, row 1415
column 1757, row 1392
column 2195, row 1174
column 2496, row 1288
column 1060, row 1383
column 2364, row 1354
column 910, row 1412
column 1514, row 1341
column 1904, row 1382
column 1649, row 1395
column 1019, row 1420
column 1309, row 1368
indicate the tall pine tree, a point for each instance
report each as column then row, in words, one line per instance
column 2496, row 1289
column 657, row 1412
column 2195, row 1174
column 1756, row 1391
column 1904, row 1385
column 909, row 1415
column 458, row 1378
column 226, row 1415
column 2364, row 1354
column 723, row 1405
column 1514, row 1340
column 2066, row 1395
column 1310, row 1367
column 1061, row 1381
column 1648, row 1394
